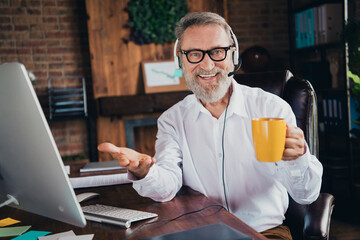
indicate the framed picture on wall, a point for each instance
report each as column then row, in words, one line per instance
column 160, row 76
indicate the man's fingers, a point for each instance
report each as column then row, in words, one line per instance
column 143, row 161
column 127, row 157
column 122, row 152
column 108, row 147
column 142, row 166
column 115, row 152
column 294, row 143
column 294, row 132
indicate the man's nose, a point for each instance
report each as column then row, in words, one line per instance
column 207, row 63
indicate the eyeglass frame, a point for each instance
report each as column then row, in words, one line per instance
column 204, row 53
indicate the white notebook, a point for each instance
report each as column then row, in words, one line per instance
column 99, row 180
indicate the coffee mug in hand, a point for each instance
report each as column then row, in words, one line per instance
column 269, row 138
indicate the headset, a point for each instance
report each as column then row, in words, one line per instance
column 236, row 59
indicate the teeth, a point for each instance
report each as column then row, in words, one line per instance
column 207, row 76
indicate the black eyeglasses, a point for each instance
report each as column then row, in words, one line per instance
column 196, row 55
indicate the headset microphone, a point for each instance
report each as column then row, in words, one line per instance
column 237, row 67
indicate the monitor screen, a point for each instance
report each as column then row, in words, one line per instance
column 31, row 168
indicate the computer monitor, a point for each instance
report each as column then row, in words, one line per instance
column 31, row 168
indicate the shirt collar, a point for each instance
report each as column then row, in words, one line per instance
column 199, row 108
column 237, row 101
column 236, row 105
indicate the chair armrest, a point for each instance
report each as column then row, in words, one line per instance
column 318, row 216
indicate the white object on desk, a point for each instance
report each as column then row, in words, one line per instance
column 58, row 235
column 86, row 196
column 122, row 217
column 69, row 235
column 101, row 166
column 99, row 180
column 67, row 169
column 79, row 237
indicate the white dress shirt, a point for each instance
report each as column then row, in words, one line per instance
column 189, row 152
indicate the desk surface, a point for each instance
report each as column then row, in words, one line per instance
column 125, row 196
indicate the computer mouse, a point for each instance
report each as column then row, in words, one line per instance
column 86, row 196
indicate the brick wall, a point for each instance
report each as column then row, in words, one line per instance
column 263, row 23
column 50, row 38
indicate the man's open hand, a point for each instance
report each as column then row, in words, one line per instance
column 139, row 164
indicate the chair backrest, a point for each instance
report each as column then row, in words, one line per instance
column 302, row 98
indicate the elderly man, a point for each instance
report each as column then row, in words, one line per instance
column 205, row 140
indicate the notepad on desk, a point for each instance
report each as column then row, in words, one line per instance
column 99, row 180
column 101, row 166
column 210, row 232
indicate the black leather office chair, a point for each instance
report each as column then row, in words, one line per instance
column 305, row 221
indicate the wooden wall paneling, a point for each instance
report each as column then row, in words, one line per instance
column 115, row 50
column 96, row 55
column 217, row 6
column 133, row 56
column 140, row 104
column 97, row 59
column 144, row 135
column 145, row 139
column 116, row 64
column 110, row 129
column 92, row 10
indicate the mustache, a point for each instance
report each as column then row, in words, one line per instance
column 215, row 70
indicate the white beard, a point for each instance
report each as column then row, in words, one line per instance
column 211, row 92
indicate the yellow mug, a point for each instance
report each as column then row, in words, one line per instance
column 269, row 138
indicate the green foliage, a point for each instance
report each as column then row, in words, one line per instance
column 154, row 20
column 351, row 35
column 355, row 87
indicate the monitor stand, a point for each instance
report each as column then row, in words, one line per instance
column 10, row 200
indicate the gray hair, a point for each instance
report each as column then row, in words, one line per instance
column 198, row 19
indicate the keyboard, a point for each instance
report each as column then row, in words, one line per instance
column 114, row 215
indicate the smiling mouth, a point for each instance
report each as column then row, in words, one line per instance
column 207, row 76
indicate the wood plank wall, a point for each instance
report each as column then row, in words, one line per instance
column 116, row 63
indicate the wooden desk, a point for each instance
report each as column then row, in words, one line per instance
column 125, row 196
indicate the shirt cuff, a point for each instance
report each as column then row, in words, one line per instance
column 144, row 180
column 296, row 168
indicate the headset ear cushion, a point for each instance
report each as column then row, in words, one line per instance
column 235, row 58
column 179, row 61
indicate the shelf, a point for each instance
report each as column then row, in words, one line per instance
column 139, row 104
column 314, row 3
column 326, row 40
column 319, row 48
